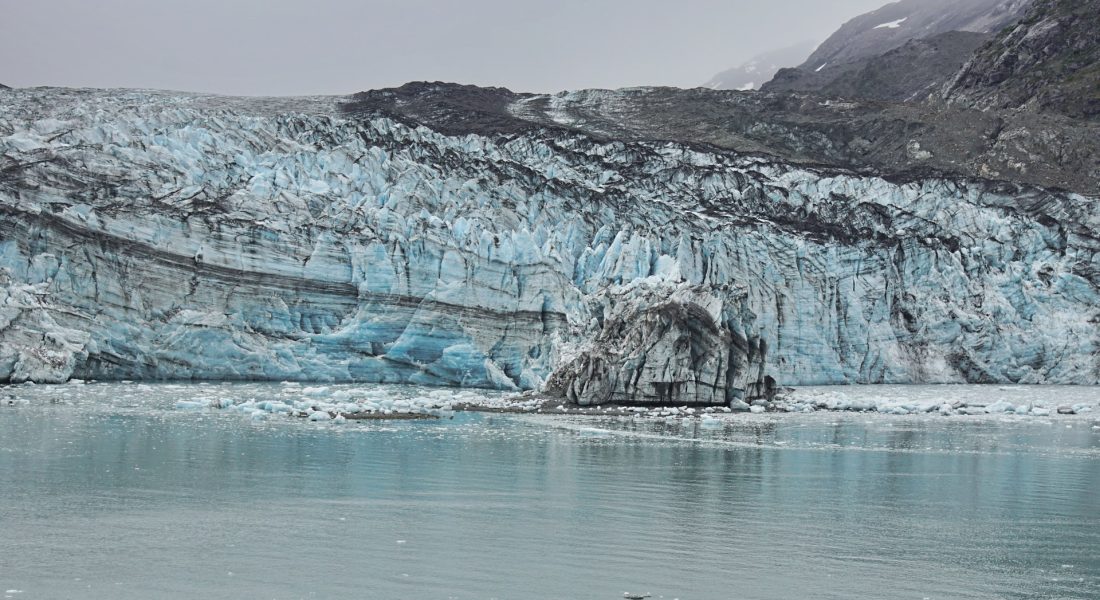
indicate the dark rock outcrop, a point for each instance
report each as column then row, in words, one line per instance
column 1048, row 62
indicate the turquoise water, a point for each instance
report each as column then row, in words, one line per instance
column 110, row 492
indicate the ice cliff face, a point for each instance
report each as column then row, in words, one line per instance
column 151, row 235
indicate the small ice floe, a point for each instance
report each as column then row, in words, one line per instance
column 592, row 432
column 999, row 406
column 757, row 409
column 710, row 422
column 191, row 404
column 319, row 415
column 339, row 419
column 1039, row 411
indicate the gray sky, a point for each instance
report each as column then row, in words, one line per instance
column 287, row 47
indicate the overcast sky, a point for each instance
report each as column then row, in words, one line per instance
column 287, row 47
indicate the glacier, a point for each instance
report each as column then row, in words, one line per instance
column 159, row 235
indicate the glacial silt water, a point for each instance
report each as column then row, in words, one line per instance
column 111, row 491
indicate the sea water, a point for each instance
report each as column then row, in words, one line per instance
column 113, row 491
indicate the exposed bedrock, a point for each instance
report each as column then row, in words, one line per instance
column 156, row 236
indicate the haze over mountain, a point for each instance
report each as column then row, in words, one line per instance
column 761, row 68
column 291, row 47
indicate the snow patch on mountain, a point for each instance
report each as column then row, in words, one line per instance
column 891, row 24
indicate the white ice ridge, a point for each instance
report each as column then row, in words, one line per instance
column 151, row 235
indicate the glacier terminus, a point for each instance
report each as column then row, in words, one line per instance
column 156, row 235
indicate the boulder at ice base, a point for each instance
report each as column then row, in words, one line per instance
column 151, row 235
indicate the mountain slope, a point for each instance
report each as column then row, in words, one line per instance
column 909, row 72
column 859, row 42
column 1050, row 62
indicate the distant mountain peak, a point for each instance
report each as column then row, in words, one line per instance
column 752, row 73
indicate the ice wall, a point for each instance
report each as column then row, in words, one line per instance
column 150, row 235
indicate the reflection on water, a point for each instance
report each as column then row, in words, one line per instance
column 135, row 500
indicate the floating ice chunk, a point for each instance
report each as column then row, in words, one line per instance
column 592, row 432
column 319, row 415
column 710, row 422
column 1039, row 411
column 190, row 405
column 339, row 419
column 1000, row 406
column 315, row 391
column 756, row 409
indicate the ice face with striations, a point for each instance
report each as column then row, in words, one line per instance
column 155, row 235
